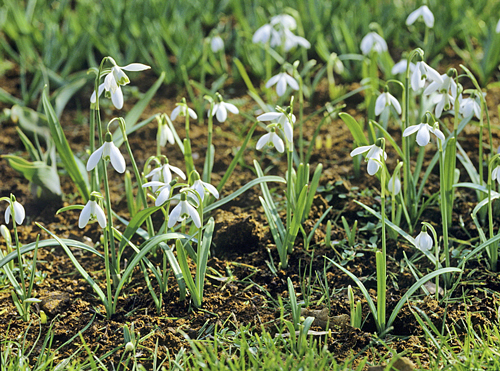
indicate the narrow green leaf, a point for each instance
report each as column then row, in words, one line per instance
column 355, row 129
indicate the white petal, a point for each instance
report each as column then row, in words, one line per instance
column 278, row 143
column 413, row 17
column 432, row 74
column 380, row 104
column 281, row 86
column 163, row 195
column 287, row 128
column 178, row 171
column 367, row 43
column 262, row 34
column 192, row 114
column 210, row 188
column 360, row 150
column 99, row 213
column 6, row 215
column 174, row 215
column 198, row 187
column 117, row 98
column 85, row 215
column 438, row 133
column 117, row 160
column 100, row 90
column 19, row 212
column 135, row 67
column 411, row 129
column 154, row 183
column 175, row 113
column 194, row 215
column 273, row 80
column 395, row 103
column 263, row 141
column 269, row 116
column 221, row 113
column 373, row 166
column 292, row 82
column 94, row 158
column 423, row 136
column 428, row 16
column 416, row 78
column 231, row 108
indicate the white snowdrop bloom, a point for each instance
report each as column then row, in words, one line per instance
column 422, row 72
column 19, row 213
column 292, row 40
column 374, row 156
column 182, row 110
column 216, row 44
column 182, row 211
column 444, row 102
column 495, row 174
column 114, row 79
column 108, row 152
column 400, row 67
column 164, row 174
column 373, row 41
column 470, row 106
column 424, row 241
column 423, row 12
column 385, row 100
column 282, row 80
column 220, row 110
column 165, row 135
column 394, row 186
column 271, row 138
column 92, row 210
column 267, row 33
column 282, row 120
column 423, row 131
column 200, row 186
column 447, row 84
column 161, row 189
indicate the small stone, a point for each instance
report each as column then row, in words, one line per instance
column 54, row 302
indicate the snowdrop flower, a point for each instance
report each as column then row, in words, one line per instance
column 164, row 133
column 271, row 138
column 19, row 212
column 498, row 27
column 443, row 101
column 394, row 185
column 423, row 71
column 200, row 186
column 220, row 109
column 292, row 40
column 114, row 79
column 183, row 110
column 162, row 190
column 216, row 44
column 373, row 41
column 423, row 12
column 266, row 33
column 400, row 67
column 374, row 156
column 423, row 129
column 424, row 241
column 164, row 174
column 282, row 80
column 92, row 210
column 282, row 120
column 108, row 152
column 470, row 106
column 385, row 100
column 182, row 211
column 446, row 84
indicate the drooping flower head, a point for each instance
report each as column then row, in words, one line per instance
column 422, row 72
column 162, row 190
column 200, row 186
column 116, row 78
column 220, row 109
column 108, row 152
column 282, row 80
column 423, row 131
column 182, row 211
column 283, row 120
column 424, row 241
column 373, row 41
column 164, row 133
column 374, row 157
column 279, row 33
column 92, row 211
column 18, row 209
column 164, row 174
column 423, row 12
column 385, row 100
column 216, row 44
column 183, row 110
column 271, row 139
